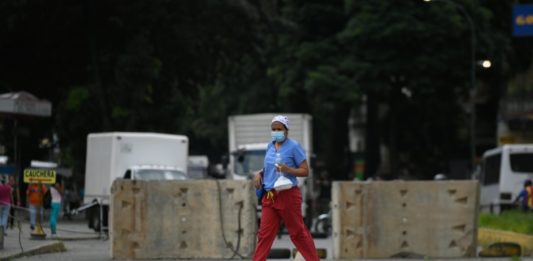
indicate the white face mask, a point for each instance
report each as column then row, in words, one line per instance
column 278, row 136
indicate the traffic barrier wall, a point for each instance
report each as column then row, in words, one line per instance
column 386, row 219
column 182, row 219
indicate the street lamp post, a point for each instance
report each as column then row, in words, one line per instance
column 472, row 78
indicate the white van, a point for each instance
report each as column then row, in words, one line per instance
column 503, row 172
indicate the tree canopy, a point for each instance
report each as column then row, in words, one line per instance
column 185, row 66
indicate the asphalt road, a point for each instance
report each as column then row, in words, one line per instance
column 99, row 249
column 91, row 250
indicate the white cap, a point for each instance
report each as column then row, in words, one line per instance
column 281, row 119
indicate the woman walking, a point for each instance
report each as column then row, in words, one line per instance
column 55, row 192
column 5, row 202
column 282, row 200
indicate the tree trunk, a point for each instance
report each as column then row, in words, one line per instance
column 97, row 86
column 337, row 151
column 371, row 136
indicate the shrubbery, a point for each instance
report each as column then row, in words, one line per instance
column 515, row 221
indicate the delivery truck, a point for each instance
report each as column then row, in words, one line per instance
column 249, row 135
column 129, row 155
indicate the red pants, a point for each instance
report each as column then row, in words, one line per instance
column 287, row 206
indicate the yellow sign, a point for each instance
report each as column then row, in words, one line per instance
column 507, row 140
column 46, row 176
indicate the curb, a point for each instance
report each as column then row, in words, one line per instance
column 55, row 247
column 487, row 236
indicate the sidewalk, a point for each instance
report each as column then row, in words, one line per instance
column 19, row 243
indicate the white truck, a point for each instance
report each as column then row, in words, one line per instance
column 129, row 155
column 503, row 172
column 249, row 135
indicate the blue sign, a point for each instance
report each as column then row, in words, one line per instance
column 523, row 20
column 7, row 170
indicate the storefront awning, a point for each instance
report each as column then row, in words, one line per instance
column 24, row 103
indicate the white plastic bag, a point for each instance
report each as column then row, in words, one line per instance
column 282, row 183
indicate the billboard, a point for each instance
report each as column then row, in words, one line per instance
column 523, row 20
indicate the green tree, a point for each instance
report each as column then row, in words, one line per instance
column 132, row 65
column 184, row 66
column 407, row 55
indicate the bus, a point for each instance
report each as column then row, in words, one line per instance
column 503, row 172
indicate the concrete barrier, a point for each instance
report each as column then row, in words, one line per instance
column 206, row 219
column 404, row 219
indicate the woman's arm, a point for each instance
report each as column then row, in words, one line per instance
column 258, row 178
column 301, row 171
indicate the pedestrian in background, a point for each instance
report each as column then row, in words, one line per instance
column 525, row 197
column 67, row 201
column 15, row 200
column 5, row 202
column 55, row 191
column 34, row 196
column 282, row 204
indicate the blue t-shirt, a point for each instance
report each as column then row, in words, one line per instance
column 292, row 155
column 523, row 197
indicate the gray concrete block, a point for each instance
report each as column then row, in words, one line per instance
column 182, row 219
column 404, row 219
